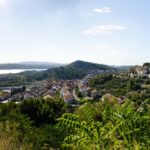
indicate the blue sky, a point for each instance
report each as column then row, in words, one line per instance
column 115, row 32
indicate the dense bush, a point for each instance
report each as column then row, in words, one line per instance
column 103, row 126
column 32, row 124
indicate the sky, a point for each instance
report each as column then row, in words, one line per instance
column 113, row 32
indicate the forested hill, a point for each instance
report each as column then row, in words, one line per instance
column 75, row 70
column 87, row 66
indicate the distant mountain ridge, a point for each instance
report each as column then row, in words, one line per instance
column 39, row 63
column 74, row 70
column 123, row 68
column 29, row 65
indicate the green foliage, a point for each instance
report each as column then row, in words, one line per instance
column 15, row 130
column 99, row 79
column 134, row 96
column 7, row 108
column 109, row 84
column 117, row 127
column 31, row 76
column 43, row 111
column 118, row 85
column 132, row 85
column 18, row 129
column 18, row 90
column 12, row 80
column 32, row 124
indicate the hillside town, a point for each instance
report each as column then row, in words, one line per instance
column 48, row 89
column 69, row 90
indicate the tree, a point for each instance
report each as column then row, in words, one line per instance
column 120, row 127
column 43, row 111
column 130, row 85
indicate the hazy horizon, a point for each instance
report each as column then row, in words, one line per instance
column 61, row 63
column 62, row 31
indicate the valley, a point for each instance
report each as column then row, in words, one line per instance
column 59, row 101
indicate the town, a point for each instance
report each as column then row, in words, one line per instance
column 67, row 89
column 71, row 91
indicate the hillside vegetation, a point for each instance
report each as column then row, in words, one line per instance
column 37, row 124
column 112, row 111
column 75, row 70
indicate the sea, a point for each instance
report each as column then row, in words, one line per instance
column 14, row 71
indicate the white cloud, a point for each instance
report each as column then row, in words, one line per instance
column 102, row 10
column 104, row 29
